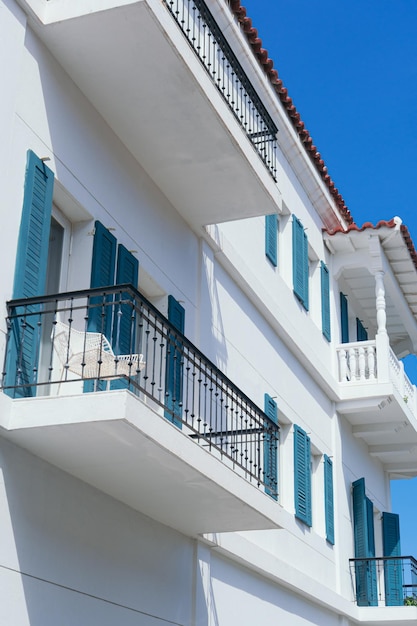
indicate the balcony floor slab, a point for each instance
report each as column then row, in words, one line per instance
column 116, row 443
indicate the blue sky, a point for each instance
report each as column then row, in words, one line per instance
column 351, row 69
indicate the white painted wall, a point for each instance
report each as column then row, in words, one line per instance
column 237, row 306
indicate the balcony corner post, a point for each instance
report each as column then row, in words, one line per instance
column 382, row 357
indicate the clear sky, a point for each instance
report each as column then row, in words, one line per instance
column 350, row 67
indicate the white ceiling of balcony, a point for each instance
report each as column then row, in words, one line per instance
column 137, row 69
column 357, row 267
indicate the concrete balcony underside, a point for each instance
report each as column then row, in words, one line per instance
column 140, row 73
column 381, row 417
column 114, row 442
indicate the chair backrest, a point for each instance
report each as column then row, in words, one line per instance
column 69, row 342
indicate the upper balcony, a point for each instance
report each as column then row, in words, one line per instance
column 380, row 402
column 101, row 385
column 377, row 277
column 168, row 83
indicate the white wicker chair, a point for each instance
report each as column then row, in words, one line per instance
column 90, row 355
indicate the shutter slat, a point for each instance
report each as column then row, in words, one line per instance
column 344, row 318
column 271, row 238
column 30, row 270
column 325, row 302
column 393, row 577
column 302, row 475
column 174, row 367
column 270, row 449
column 328, row 499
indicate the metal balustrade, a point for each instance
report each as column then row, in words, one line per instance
column 384, row 581
column 216, row 55
column 113, row 338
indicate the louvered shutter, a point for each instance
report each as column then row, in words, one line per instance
column 325, row 301
column 300, row 262
column 124, row 336
column 344, row 318
column 102, row 275
column 363, row 530
column 271, row 238
column 100, row 314
column 271, row 449
column 174, row 367
column 30, row 275
column 361, row 332
column 328, row 499
column 302, row 475
column 393, row 578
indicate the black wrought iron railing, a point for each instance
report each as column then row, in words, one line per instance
column 113, row 338
column 389, row 581
column 218, row 58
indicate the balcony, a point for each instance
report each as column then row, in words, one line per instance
column 385, row 581
column 170, row 84
column 104, row 387
column 380, row 402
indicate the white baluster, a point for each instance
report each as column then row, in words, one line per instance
column 371, row 362
column 353, row 366
column 362, row 363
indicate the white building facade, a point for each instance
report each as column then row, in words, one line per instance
column 212, row 443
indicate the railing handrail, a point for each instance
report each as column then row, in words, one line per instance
column 356, row 344
column 127, row 288
column 384, row 558
column 207, row 40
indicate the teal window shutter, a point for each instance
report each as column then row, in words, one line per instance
column 124, row 336
column 102, row 275
column 361, row 332
column 271, row 449
column 393, row 578
column 30, row 274
column 302, row 475
column 174, row 365
column 300, row 262
column 271, row 238
column 328, row 499
column 344, row 318
column 363, row 531
column 325, row 301
column 100, row 313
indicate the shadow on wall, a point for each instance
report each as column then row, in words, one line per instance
column 70, row 555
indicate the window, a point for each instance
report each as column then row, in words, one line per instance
column 325, row 301
column 111, row 264
column 302, row 475
column 270, row 450
column 271, row 238
column 300, row 266
column 328, row 499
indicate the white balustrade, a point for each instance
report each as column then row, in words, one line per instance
column 357, row 362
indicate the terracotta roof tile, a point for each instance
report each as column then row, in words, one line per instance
column 382, row 223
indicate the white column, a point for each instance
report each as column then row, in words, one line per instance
column 381, row 316
column 381, row 339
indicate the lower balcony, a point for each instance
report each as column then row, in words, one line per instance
column 385, row 581
column 380, row 402
column 100, row 384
